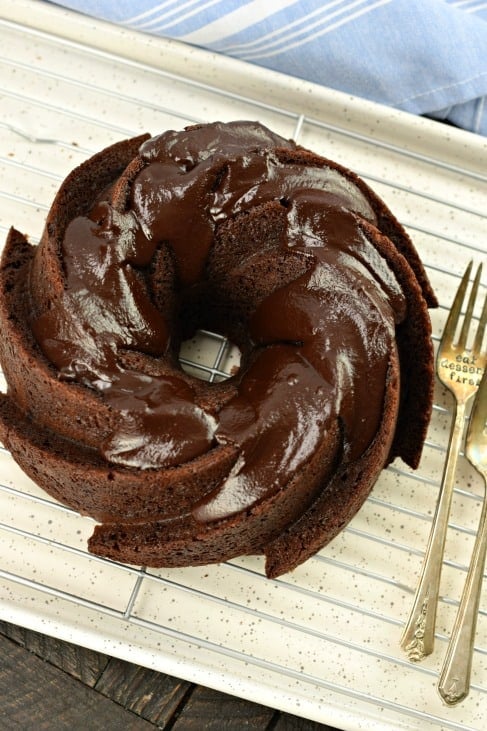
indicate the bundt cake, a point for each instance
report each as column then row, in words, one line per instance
column 231, row 228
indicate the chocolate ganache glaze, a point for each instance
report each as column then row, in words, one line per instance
column 320, row 361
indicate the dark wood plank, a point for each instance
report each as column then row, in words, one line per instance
column 206, row 709
column 151, row 695
column 163, row 701
column 37, row 696
column 82, row 664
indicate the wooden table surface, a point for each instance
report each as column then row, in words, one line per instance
column 50, row 685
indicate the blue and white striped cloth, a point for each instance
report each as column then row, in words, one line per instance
column 423, row 56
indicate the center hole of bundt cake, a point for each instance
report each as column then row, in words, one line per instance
column 209, row 356
column 211, row 331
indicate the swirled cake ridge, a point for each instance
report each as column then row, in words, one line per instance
column 292, row 257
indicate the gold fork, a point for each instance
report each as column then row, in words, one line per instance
column 454, row 682
column 460, row 370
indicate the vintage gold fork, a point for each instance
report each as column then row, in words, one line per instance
column 460, row 370
column 454, row 683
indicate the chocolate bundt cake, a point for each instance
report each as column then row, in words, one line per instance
column 231, row 228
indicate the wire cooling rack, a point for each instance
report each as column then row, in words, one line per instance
column 322, row 642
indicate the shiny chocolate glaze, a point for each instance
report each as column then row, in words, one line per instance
column 321, row 344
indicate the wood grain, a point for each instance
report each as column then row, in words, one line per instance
column 36, row 695
column 154, row 696
column 50, row 685
column 213, row 711
column 82, row 664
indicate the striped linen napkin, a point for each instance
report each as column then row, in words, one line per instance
column 424, row 56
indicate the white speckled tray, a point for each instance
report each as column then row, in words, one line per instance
column 323, row 642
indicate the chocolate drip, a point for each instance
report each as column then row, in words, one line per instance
column 322, row 343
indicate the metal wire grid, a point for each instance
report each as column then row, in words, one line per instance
column 219, row 366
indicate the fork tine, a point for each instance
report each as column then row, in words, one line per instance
column 462, row 342
column 479, row 335
column 453, row 317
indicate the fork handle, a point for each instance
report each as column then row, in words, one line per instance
column 454, row 680
column 418, row 636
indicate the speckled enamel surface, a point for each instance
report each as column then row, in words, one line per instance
column 322, row 642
